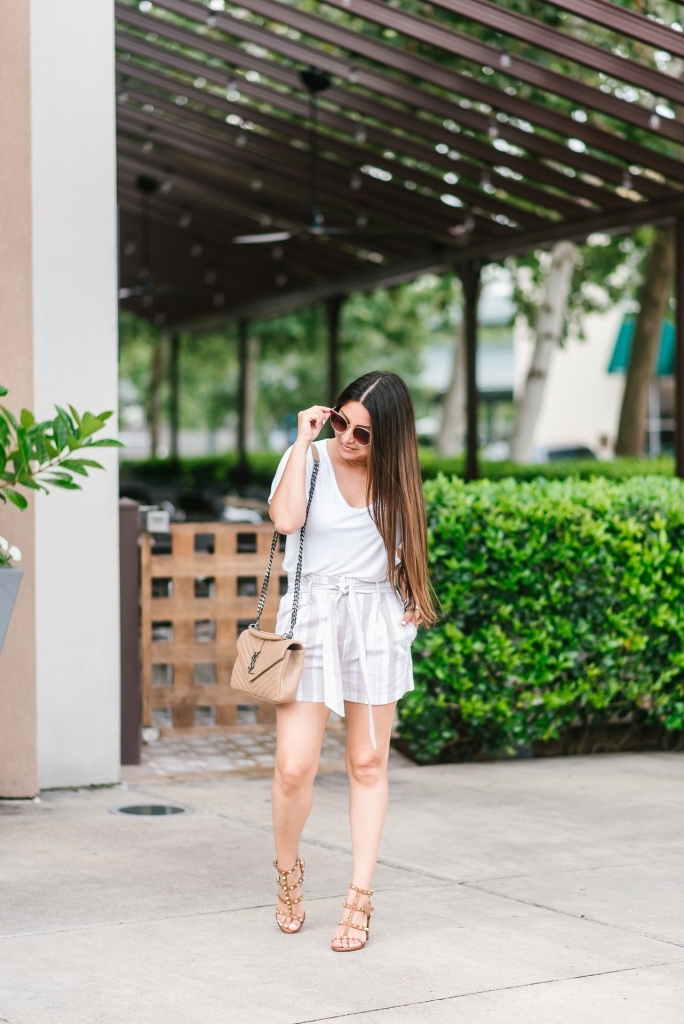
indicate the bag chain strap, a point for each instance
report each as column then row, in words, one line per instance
column 298, row 574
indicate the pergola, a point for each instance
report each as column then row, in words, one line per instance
column 437, row 150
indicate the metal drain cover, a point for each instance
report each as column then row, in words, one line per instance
column 151, row 809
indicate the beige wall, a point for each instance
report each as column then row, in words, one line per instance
column 18, row 754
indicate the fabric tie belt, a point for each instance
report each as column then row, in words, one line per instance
column 339, row 587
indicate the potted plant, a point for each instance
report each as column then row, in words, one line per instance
column 10, row 578
column 36, row 456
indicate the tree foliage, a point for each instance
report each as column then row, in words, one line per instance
column 384, row 329
column 608, row 269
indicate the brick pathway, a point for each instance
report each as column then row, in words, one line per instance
column 176, row 759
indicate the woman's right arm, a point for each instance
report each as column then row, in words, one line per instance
column 288, row 504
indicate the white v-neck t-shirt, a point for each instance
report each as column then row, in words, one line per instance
column 340, row 540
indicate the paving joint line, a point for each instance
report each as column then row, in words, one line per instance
column 171, row 917
column 481, row 992
column 568, row 913
column 569, row 871
column 455, row 881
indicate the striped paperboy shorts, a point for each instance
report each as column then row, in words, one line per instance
column 355, row 646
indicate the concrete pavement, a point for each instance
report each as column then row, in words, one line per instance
column 519, row 892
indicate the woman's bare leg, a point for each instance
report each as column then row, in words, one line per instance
column 367, row 771
column 300, row 729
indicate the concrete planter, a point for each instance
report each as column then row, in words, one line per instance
column 9, row 587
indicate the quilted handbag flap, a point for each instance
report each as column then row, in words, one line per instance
column 261, row 650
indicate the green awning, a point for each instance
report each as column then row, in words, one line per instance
column 623, row 346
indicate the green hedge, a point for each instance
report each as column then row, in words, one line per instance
column 584, row 469
column 199, row 473
column 221, row 470
column 563, row 605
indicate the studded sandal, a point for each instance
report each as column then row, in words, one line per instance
column 353, row 908
column 283, row 877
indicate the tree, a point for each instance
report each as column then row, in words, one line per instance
column 453, row 423
column 549, row 331
column 653, row 300
column 605, row 270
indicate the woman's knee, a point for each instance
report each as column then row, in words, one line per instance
column 367, row 769
column 292, row 774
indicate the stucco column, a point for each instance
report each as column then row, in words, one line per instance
column 59, row 669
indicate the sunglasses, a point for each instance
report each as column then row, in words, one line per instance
column 340, row 423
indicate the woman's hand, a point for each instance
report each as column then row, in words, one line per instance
column 311, row 422
column 411, row 616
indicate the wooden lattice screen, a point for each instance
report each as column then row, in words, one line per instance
column 199, row 589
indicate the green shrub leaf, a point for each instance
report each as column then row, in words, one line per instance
column 563, row 605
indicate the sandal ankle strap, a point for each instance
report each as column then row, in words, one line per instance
column 297, row 864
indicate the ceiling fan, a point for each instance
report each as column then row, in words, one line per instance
column 314, row 81
column 147, row 186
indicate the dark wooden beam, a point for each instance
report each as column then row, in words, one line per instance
column 679, row 350
column 243, row 369
column 656, row 212
column 470, row 273
column 435, row 262
column 438, row 260
column 174, row 393
column 333, row 308
column 129, row 591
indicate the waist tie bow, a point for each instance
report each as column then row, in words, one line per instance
column 339, row 587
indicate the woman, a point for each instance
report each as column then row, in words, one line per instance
column 364, row 590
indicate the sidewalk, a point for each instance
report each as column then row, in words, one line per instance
column 518, row 892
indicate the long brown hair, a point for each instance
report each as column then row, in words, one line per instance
column 394, row 491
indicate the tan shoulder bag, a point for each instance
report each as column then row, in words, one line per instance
column 269, row 665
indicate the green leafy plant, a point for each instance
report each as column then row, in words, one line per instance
column 39, row 455
column 563, row 608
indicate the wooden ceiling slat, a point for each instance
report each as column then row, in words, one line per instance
column 529, row 169
column 465, row 47
column 389, row 89
column 465, row 143
column 625, row 22
column 536, row 33
column 467, row 170
column 444, row 78
column 421, row 215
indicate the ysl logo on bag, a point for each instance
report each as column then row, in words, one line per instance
column 253, row 659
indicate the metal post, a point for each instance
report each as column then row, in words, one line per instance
column 129, row 572
column 333, row 307
column 470, row 279
column 174, row 393
column 679, row 350
column 243, row 357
